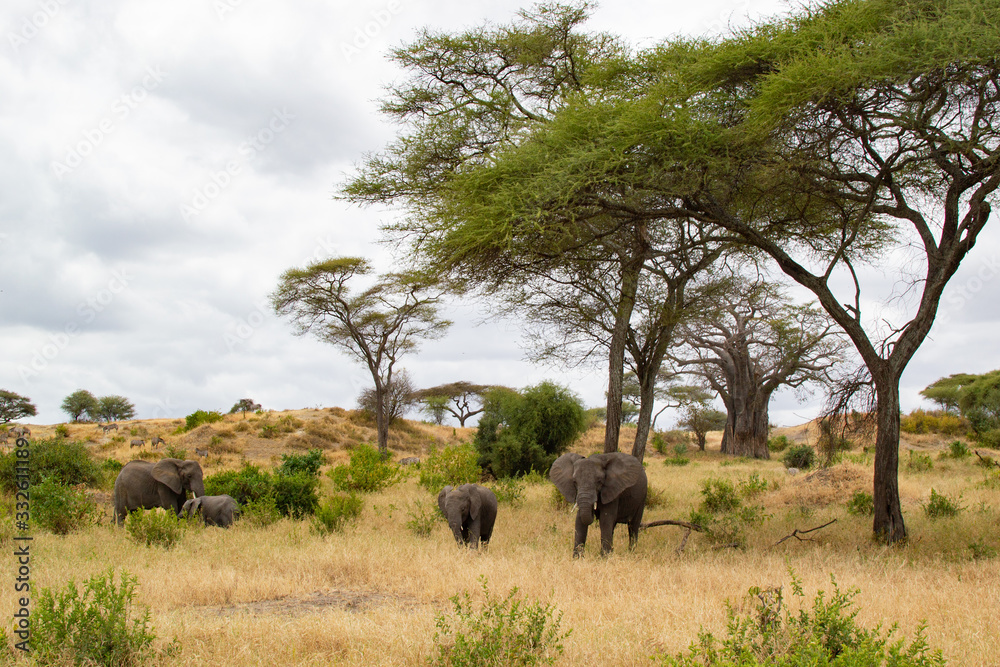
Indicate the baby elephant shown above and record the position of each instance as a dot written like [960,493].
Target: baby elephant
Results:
[471,511]
[215,510]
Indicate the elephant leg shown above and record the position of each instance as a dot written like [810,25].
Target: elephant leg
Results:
[608,518]
[474,530]
[633,533]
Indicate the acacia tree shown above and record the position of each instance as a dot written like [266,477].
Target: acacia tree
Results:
[947,392]
[749,346]
[14,406]
[114,408]
[80,402]
[375,325]
[821,140]
[244,405]
[461,400]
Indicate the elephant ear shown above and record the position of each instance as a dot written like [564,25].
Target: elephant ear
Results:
[475,501]
[620,472]
[165,472]
[561,474]
[194,505]
[442,497]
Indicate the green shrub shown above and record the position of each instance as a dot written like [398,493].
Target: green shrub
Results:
[334,513]
[918,462]
[753,485]
[676,461]
[199,417]
[989,438]
[520,432]
[776,634]
[308,463]
[452,466]
[66,463]
[958,450]
[861,504]
[723,514]
[509,491]
[424,515]
[260,512]
[295,495]
[505,631]
[367,472]
[778,443]
[62,431]
[663,441]
[534,477]
[99,626]
[719,496]
[940,506]
[982,551]
[61,509]
[111,467]
[172,452]
[799,456]
[155,527]
[246,485]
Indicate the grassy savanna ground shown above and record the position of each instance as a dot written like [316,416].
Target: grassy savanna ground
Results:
[284,595]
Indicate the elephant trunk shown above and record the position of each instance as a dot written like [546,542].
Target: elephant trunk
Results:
[455,523]
[198,488]
[584,517]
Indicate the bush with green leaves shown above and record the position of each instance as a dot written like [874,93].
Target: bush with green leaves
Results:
[509,491]
[941,506]
[293,495]
[861,504]
[933,421]
[155,527]
[958,449]
[523,431]
[335,512]
[799,456]
[260,512]
[451,466]
[423,516]
[96,626]
[173,452]
[723,514]
[778,443]
[919,462]
[199,417]
[62,509]
[64,462]
[663,441]
[500,631]
[775,634]
[308,463]
[367,472]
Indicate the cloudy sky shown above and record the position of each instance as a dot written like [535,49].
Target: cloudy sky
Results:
[163,163]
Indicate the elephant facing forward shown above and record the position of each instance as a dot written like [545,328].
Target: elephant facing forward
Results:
[145,485]
[215,510]
[471,511]
[612,485]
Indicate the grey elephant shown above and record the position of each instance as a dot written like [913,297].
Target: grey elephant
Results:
[612,485]
[471,511]
[215,510]
[143,484]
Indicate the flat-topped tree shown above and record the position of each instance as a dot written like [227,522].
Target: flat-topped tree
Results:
[81,402]
[461,399]
[244,405]
[376,324]
[14,406]
[114,408]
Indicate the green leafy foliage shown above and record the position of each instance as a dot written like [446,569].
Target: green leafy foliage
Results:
[509,491]
[941,506]
[62,509]
[62,431]
[958,450]
[367,472]
[664,441]
[336,512]
[292,495]
[919,462]
[295,495]
[722,512]
[451,466]
[524,431]
[260,512]
[308,463]
[778,443]
[799,456]
[501,631]
[66,463]
[199,417]
[861,504]
[423,516]
[114,408]
[80,403]
[933,421]
[773,634]
[98,626]
[14,406]
[155,527]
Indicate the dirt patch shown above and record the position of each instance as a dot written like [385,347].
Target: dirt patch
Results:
[354,601]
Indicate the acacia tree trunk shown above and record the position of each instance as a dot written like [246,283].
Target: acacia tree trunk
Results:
[616,353]
[381,422]
[888,520]
[647,385]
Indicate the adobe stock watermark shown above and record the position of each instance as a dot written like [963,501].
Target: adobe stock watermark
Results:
[30,26]
[87,311]
[363,35]
[243,328]
[255,144]
[223,7]
[121,109]
[960,294]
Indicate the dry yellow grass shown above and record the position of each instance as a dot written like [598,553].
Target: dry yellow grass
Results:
[282,595]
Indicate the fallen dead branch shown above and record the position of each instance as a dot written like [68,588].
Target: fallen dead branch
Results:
[672,522]
[987,461]
[795,533]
